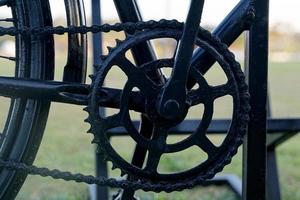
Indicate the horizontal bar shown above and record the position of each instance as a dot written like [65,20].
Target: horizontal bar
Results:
[279,138]
[230,180]
[71,93]
[221,127]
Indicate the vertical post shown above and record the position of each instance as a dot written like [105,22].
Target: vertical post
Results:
[273,185]
[101,165]
[97,37]
[254,154]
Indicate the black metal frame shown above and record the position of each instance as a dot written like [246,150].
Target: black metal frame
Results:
[259,160]
[264,135]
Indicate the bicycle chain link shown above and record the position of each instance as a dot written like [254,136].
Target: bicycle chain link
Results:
[89,179]
[81,178]
[128,27]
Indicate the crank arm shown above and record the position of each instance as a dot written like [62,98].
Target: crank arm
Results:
[70,93]
[173,97]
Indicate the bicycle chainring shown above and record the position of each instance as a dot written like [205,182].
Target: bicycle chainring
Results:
[205,94]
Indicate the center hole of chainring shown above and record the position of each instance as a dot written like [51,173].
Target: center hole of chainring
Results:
[154,116]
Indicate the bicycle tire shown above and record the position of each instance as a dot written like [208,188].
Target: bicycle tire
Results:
[26,119]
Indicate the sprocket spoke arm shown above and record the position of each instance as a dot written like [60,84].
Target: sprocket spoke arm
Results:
[201,94]
[222,90]
[157,148]
[194,98]
[207,146]
[136,76]
[201,139]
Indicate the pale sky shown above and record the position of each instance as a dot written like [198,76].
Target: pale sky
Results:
[286,11]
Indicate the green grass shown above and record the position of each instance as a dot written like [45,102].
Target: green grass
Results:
[67,146]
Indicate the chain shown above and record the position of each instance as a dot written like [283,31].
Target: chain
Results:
[128,27]
[103,181]
[89,179]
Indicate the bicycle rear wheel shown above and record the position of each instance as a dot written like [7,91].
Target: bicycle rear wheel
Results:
[26,118]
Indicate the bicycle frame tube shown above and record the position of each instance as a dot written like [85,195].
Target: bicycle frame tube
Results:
[128,11]
[70,93]
[235,23]
[228,31]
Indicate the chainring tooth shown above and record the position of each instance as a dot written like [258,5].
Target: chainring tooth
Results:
[240,129]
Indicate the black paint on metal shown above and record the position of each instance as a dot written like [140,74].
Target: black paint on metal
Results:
[128,11]
[100,165]
[235,23]
[260,180]
[219,127]
[71,93]
[173,97]
[273,185]
[76,66]
[255,146]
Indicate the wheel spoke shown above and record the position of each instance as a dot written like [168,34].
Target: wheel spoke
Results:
[8,58]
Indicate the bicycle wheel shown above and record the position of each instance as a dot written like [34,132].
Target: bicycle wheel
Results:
[26,118]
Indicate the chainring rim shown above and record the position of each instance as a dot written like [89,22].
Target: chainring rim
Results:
[237,142]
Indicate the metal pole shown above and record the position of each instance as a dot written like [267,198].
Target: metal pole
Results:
[255,151]
[101,165]
[273,185]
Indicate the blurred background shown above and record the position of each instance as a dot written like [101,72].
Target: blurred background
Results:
[67,146]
